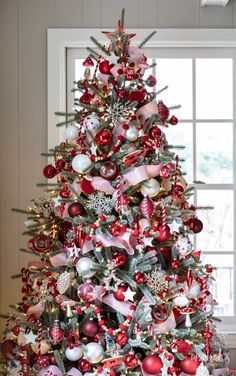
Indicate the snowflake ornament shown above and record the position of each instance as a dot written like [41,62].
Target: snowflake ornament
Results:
[100,203]
[156,281]
[117,113]
[112,282]
[44,207]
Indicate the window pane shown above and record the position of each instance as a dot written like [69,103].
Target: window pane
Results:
[223,288]
[217,233]
[214,145]
[181,134]
[214,88]
[177,74]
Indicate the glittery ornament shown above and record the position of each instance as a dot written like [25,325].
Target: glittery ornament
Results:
[84,365]
[151,81]
[100,203]
[130,361]
[139,277]
[173,120]
[163,111]
[94,352]
[155,280]
[63,282]
[121,339]
[55,333]
[103,137]
[41,243]
[49,171]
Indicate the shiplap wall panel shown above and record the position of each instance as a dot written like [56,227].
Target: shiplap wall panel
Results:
[23,130]
[9,154]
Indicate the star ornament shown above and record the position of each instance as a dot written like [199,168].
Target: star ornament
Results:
[174,227]
[118,37]
[129,295]
[30,337]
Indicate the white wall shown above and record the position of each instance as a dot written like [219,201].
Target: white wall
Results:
[23,94]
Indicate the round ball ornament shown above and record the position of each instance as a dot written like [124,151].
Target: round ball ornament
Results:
[109,170]
[84,266]
[130,360]
[119,260]
[151,81]
[183,246]
[45,347]
[91,123]
[86,292]
[15,330]
[75,209]
[173,120]
[73,354]
[189,365]
[103,137]
[139,277]
[121,339]
[6,348]
[150,187]
[195,225]
[159,314]
[81,163]
[90,328]
[43,361]
[71,132]
[132,134]
[118,295]
[84,365]
[105,67]
[94,352]
[164,233]
[49,171]
[152,364]
[155,133]
[41,243]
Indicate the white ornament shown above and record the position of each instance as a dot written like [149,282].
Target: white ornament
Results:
[100,203]
[194,290]
[74,354]
[83,267]
[71,132]
[184,246]
[94,352]
[129,294]
[45,347]
[30,337]
[91,123]
[132,134]
[63,282]
[174,227]
[150,187]
[202,370]
[181,300]
[81,163]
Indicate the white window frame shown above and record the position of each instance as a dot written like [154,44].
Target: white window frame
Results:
[59,40]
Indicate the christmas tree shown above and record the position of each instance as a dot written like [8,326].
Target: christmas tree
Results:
[119,288]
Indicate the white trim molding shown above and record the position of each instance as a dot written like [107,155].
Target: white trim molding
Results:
[222,3]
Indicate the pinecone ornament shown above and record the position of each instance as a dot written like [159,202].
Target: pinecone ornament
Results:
[63,282]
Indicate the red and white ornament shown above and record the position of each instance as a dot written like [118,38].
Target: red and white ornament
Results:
[146,207]
[91,123]
[86,292]
[55,333]
[184,246]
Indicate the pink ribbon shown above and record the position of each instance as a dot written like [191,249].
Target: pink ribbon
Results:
[50,371]
[148,110]
[141,173]
[37,309]
[58,260]
[122,307]
[136,54]
[73,372]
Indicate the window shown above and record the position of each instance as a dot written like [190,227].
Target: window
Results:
[201,80]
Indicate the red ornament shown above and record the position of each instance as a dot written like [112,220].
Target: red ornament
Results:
[118,295]
[90,328]
[174,264]
[52,360]
[32,318]
[189,365]
[182,347]
[136,96]
[49,171]
[41,243]
[151,81]
[65,192]
[7,347]
[160,314]
[130,360]
[155,133]
[152,364]
[43,361]
[119,260]
[75,209]
[55,333]
[86,98]
[121,339]
[84,365]
[163,111]
[165,172]
[103,137]
[139,277]
[60,164]
[121,93]
[173,120]
[105,67]
[146,207]
[16,330]
[88,62]
[166,252]
[30,244]
[195,225]
[109,171]
[86,186]
[130,74]
[164,233]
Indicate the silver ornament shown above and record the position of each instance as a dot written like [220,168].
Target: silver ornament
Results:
[150,187]
[94,353]
[74,354]
[63,282]
[81,163]
[132,134]
[71,132]
[83,267]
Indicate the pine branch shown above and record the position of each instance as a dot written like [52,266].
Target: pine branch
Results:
[99,45]
[123,17]
[60,362]
[147,39]
[163,89]
[93,53]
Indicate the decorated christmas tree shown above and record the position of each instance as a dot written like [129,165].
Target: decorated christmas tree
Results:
[118,288]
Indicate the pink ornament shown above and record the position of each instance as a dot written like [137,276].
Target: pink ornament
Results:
[146,207]
[86,292]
